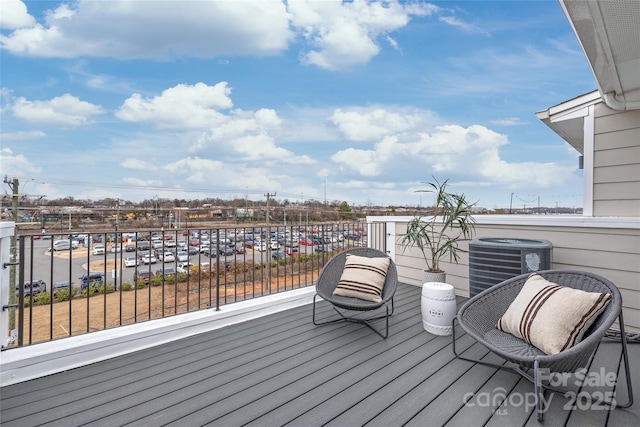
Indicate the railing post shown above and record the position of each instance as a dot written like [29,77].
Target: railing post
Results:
[7,230]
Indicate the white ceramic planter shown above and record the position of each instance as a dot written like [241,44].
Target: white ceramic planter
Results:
[438,307]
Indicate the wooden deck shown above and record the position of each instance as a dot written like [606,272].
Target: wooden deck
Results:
[282,370]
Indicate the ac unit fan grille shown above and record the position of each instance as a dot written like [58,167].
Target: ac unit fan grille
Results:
[490,264]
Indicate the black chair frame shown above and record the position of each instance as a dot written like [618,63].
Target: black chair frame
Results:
[347,307]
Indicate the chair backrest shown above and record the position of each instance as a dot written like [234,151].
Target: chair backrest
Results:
[330,274]
[589,282]
[479,315]
[484,309]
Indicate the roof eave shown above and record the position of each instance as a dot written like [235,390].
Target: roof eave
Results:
[566,119]
[610,39]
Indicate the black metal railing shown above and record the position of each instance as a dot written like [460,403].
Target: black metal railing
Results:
[74,283]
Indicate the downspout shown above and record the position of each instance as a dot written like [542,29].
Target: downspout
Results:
[612,102]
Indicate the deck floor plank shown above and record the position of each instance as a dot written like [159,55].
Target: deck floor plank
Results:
[448,402]
[356,383]
[281,369]
[265,396]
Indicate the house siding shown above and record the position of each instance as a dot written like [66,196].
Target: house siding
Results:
[616,162]
[604,248]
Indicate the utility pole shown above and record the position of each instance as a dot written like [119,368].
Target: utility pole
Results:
[511,204]
[269,196]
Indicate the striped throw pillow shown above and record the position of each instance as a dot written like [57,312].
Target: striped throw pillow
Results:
[552,317]
[363,278]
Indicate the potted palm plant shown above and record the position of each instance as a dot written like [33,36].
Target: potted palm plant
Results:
[439,234]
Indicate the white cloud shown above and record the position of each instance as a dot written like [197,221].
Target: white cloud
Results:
[465,26]
[161,30]
[448,150]
[196,170]
[510,121]
[21,135]
[136,164]
[248,136]
[61,111]
[345,34]
[141,182]
[341,34]
[12,165]
[372,124]
[13,14]
[221,176]
[180,107]
[244,139]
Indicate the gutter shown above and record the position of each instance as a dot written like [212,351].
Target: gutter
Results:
[612,102]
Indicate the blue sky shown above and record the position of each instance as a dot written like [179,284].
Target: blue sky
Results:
[356,101]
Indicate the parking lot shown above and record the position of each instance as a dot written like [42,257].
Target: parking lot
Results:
[121,259]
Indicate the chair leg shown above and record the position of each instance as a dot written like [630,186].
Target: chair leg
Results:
[366,322]
[538,390]
[612,404]
[315,322]
[469,359]
[627,371]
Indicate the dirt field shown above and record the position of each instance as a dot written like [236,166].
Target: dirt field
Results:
[104,311]
[125,307]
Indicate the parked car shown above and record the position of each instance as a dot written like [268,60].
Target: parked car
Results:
[226,250]
[183,267]
[116,248]
[260,247]
[182,256]
[294,243]
[98,249]
[306,242]
[239,249]
[33,288]
[90,279]
[170,244]
[64,245]
[61,286]
[131,261]
[149,258]
[144,246]
[209,252]
[278,255]
[167,271]
[168,257]
[193,250]
[142,275]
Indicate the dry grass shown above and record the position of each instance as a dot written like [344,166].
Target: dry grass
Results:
[104,311]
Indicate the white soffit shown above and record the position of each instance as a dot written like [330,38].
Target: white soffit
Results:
[566,119]
[609,33]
